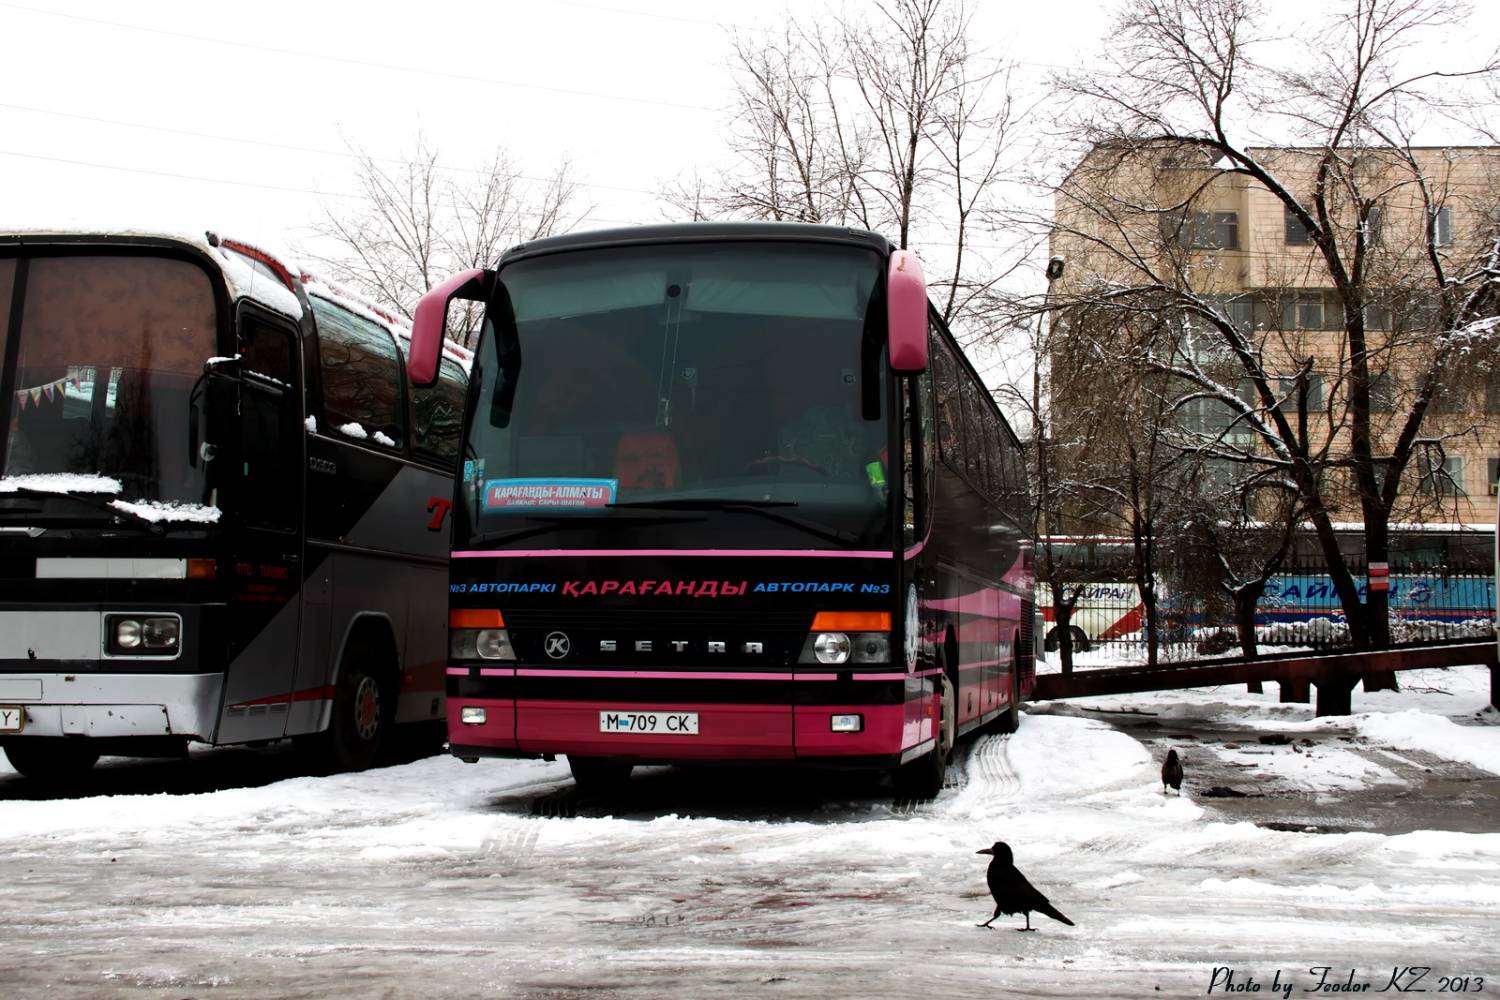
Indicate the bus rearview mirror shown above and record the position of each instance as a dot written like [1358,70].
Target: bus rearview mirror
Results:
[429,322]
[906,313]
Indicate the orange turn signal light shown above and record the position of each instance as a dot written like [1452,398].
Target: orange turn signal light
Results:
[201,569]
[475,618]
[852,621]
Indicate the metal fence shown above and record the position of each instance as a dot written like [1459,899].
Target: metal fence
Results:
[1435,594]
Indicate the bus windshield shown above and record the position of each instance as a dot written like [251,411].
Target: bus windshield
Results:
[704,395]
[106,354]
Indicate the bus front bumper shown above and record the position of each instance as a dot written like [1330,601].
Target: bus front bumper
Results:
[532,728]
[113,705]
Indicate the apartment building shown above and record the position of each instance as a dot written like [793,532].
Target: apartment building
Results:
[1166,220]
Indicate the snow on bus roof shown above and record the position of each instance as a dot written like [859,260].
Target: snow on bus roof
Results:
[242,276]
[250,270]
[341,295]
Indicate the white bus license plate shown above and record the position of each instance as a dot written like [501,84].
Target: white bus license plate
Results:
[13,717]
[650,723]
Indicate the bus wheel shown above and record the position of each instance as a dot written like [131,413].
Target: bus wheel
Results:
[1010,719]
[363,710]
[51,758]
[923,777]
[599,775]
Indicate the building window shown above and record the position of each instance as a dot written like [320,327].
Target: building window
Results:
[1289,392]
[1447,398]
[1202,230]
[1302,311]
[1442,227]
[1382,393]
[1296,233]
[1494,475]
[1442,476]
[1377,313]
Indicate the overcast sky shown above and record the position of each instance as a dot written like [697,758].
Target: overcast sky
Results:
[99,99]
[201,115]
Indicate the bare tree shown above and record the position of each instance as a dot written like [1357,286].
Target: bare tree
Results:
[890,122]
[1182,118]
[422,221]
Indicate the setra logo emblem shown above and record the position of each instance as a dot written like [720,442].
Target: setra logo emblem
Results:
[556,644]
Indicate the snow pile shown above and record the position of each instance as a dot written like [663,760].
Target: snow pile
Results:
[381,438]
[169,510]
[59,482]
[1417,630]
[354,430]
[311,423]
[1313,631]
[1478,746]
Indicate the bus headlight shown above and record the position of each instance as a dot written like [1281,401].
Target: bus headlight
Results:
[160,633]
[831,647]
[834,648]
[480,644]
[142,635]
[127,633]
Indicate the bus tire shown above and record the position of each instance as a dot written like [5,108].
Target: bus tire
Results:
[599,775]
[364,711]
[51,758]
[1010,719]
[923,778]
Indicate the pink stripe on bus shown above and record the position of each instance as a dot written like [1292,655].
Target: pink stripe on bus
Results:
[695,675]
[496,672]
[880,677]
[597,553]
[458,671]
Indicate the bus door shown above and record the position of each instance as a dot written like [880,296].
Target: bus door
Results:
[265,545]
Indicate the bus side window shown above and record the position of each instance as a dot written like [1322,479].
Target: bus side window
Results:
[996,444]
[270,427]
[949,417]
[265,350]
[975,440]
[916,397]
[361,377]
[437,415]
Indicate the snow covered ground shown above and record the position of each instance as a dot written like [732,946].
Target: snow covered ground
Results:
[438,878]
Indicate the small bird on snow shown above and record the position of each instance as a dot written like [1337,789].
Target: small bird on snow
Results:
[1171,772]
[1013,894]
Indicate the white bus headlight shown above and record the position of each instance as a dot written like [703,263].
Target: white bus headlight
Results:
[472,715]
[831,647]
[127,633]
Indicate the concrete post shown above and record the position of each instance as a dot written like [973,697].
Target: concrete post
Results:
[1335,695]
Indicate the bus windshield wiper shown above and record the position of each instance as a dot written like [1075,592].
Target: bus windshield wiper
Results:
[88,500]
[756,507]
[565,522]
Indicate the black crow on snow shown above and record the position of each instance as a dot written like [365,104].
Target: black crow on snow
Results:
[1171,772]
[1013,894]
